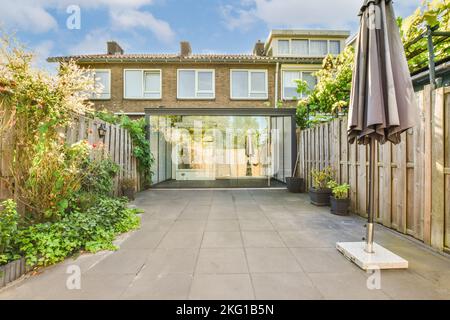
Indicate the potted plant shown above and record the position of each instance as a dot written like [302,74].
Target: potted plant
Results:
[339,199]
[320,193]
[128,187]
[295,184]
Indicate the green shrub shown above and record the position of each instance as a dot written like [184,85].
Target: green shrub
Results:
[340,191]
[91,230]
[100,178]
[9,219]
[321,178]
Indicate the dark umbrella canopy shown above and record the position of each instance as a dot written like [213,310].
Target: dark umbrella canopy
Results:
[382,102]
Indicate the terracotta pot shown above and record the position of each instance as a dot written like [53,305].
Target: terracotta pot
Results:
[320,197]
[339,206]
[295,184]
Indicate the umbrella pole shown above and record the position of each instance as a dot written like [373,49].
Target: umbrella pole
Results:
[371,213]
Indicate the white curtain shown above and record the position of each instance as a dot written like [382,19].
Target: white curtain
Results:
[300,47]
[186,84]
[318,47]
[239,80]
[133,84]
[335,47]
[283,46]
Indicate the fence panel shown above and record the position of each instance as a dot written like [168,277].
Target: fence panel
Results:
[117,143]
[412,179]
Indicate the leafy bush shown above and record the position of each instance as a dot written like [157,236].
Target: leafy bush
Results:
[100,178]
[91,230]
[321,178]
[141,145]
[9,219]
[339,191]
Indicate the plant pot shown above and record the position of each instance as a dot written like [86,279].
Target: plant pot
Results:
[320,197]
[129,193]
[339,206]
[295,184]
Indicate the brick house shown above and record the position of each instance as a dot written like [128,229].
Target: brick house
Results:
[179,91]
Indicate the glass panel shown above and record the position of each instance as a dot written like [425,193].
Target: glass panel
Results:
[289,84]
[133,84]
[186,84]
[258,81]
[101,79]
[335,47]
[205,81]
[300,47]
[283,46]
[310,80]
[318,47]
[152,81]
[287,151]
[239,84]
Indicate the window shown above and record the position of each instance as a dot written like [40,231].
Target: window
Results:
[102,83]
[283,47]
[196,84]
[290,84]
[318,47]
[300,47]
[142,84]
[335,47]
[249,84]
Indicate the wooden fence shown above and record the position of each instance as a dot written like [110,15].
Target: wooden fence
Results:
[117,142]
[412,179]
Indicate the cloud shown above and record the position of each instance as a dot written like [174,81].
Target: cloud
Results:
[34,15]
[41,52]
[27,15]
[130,19]
[301,13]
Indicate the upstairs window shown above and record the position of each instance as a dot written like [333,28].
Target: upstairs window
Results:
[102,84]
[300,47]
[290,84]
[196,84]
[142,84]
[283,47]
[335,47]
[318,47]
[249,84]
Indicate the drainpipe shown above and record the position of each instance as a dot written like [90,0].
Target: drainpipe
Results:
[276,84]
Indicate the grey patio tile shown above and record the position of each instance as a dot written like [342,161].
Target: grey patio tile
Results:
[222,215]
[160,287]
[301,239]
[256,225]
[349,285]
[214,239]
[222,225]
[142,239]
[222,260]
[156,225]
[325,260]
[245,215]
[271,260]
[175,260]
[181,240]
[221,286]
[287,224]
[405,285]
[262,239]
[123,261]
[284,286]
[94,286]
[193,215]
[188,226]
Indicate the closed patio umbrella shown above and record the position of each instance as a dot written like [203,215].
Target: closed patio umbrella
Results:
[382,102]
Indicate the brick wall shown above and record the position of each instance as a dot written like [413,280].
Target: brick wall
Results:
[169,87]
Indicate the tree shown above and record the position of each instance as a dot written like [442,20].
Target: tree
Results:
[434,13]
[331,95]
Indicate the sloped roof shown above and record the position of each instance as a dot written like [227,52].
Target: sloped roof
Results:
[204,58]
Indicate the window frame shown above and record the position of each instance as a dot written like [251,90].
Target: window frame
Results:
[294,70]
[249,82]
[290,54]
[142,97]
[92,96]
[196,90]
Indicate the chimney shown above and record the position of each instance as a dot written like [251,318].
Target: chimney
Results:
[114,48]
[259,48]
[185,48]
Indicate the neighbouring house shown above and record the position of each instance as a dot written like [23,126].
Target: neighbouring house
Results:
[214,119]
